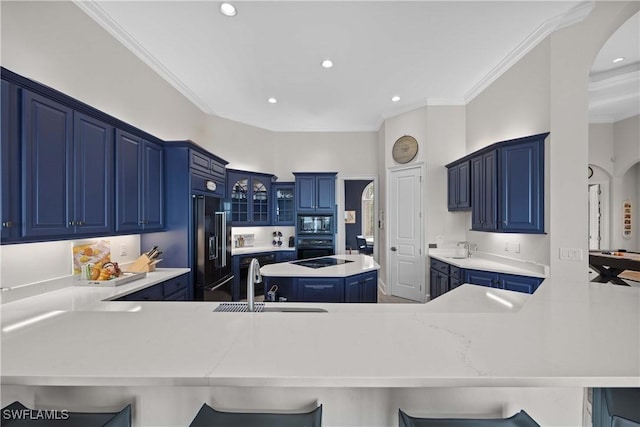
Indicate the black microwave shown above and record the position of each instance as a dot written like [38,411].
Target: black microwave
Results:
[315,224]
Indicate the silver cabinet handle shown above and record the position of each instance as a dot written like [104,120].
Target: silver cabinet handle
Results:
[7,224]
[394,249]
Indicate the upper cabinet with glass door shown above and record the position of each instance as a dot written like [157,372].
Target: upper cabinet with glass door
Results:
[284,203]
[250,195]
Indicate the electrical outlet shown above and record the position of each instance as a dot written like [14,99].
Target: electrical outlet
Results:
[123,249]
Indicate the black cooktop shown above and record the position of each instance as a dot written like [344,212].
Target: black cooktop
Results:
[321,262]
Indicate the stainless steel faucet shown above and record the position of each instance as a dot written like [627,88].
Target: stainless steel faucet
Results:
[253,277]
[468,247]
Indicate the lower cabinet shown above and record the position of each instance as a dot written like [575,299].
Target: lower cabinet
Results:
[284,256]
[510,282]
[323,289]
[444,277]
[360,288]
[176,289]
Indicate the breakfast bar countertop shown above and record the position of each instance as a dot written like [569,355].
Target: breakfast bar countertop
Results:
[567,334]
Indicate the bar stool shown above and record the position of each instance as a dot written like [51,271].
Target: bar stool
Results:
[521,419]
[18,415]
[616,407]
[209,417]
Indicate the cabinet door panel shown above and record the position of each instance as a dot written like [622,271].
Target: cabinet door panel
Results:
[93,166]
[524,284]
[490,188]
[464,193]
[452,188]
[128,164]
[369,287]
[153,187]
[305,192]
[326,193]
[47,143]
[477,193]
[10,156]
[522,181]
[482,278]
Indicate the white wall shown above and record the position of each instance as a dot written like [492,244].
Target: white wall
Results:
[601,149]
[57,44]
[515,105]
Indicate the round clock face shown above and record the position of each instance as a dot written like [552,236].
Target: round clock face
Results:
[405,149]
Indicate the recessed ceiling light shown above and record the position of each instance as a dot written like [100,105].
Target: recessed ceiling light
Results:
[395,98]
[327,63]
[272,100]
[228,9]
[618,59]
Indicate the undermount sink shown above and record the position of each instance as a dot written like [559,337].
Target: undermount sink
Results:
[259,307]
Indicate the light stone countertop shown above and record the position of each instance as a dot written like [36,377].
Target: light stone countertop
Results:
[356,264]
[567,334]
[486,262]
[259,249]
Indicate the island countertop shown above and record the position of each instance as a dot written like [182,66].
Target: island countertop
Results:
[567,334]
[355,264]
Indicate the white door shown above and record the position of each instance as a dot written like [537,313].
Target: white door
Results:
[406,265]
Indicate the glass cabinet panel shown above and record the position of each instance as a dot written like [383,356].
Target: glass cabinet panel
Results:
[260,201]
[239,203]
[285,205]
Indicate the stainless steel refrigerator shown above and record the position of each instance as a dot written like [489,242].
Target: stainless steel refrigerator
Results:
[214,277]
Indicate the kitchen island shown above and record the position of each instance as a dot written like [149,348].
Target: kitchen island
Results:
[361,361]
[337,278]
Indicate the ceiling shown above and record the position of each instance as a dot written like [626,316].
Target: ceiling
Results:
[425,52]
[614,88]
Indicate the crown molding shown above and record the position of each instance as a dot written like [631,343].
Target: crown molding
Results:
[573,16]
[93,10]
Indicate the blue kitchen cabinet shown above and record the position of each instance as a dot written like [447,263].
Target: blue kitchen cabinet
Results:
[284,207]
[361,288]
[521,193]
[443,277]
[285,256]
[93,150]
[139,184]
[510,282]
[315,192]
[482,278]
[250,195]
[458,186]
[10,162]
[287,287]
[175,289]
[525,284]
[47,147]
[325,289]
[68,173]
[484,191]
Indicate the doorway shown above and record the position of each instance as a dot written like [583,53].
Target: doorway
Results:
[359,215]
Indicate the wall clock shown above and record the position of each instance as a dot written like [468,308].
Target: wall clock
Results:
[405,149]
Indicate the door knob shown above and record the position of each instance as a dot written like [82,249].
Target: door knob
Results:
[393,248]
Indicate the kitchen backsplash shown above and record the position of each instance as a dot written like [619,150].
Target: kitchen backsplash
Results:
[262,236]
[28,263]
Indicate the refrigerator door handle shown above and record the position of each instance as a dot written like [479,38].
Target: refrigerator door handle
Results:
[217,285]
[222,235]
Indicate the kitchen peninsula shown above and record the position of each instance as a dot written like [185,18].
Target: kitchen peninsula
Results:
[537,352]
[338,278]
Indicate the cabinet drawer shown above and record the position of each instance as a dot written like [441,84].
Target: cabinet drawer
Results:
[455,272]
[442,267]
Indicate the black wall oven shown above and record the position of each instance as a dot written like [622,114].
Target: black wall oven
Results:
[313,247]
